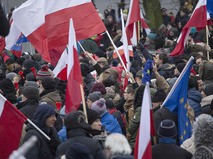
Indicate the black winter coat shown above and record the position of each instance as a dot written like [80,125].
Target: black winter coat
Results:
[81,136]
[43,149]
[169,151]
[30,108]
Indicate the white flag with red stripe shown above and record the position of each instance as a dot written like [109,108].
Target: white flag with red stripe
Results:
[86,20]
[199,19]
[11,123]
[74,77]
[143,141]
[60,69]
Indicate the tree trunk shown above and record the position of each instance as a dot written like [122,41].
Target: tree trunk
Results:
[153,13]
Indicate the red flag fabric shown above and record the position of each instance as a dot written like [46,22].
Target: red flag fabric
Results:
[74,77]
[143,140]
[133,16]
[2,44]
[47,27]
[60,70]
[11,123]
[199,15]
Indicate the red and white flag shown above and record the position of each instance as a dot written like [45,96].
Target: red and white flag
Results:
[125,44]
[11,123]
[86,21]
[143,148]
[60,69]
[74,77]
[13,36]
[199,19]
[135,15]
[29,18]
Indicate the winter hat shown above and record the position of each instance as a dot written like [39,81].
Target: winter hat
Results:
[167,129]
[203,130]
[98,87]
[99,106]
[31,83]
[11,75]
[92,116]
[94,96]
[42,113]
[180,67]
[30,77]
[48,83]
[110,104]
[20,61]
[110,92]
[31,92]
[43,73]
[159,96]
[7,86]
[28,64]
[84,69]
[76,120]
[208,90]
[78,150]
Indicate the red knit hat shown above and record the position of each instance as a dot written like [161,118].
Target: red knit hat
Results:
[43,72]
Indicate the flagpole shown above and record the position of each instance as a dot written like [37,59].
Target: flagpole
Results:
[81,47]
[37,128]
[83,101]
[119,56]
[207,41]
[177,81]
[116,50]
[138,30]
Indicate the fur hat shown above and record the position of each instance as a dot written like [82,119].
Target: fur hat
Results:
[48,83]
[43,73]
[99,106]
[76,120]
[98,87]
[94,96]
[203,130]
[92,116]
[31,92]
[167,129]
[110,92]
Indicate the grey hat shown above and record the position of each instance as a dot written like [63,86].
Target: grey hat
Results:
[11,75]
[167,129]
[31,92]
[94,96]
[31,83]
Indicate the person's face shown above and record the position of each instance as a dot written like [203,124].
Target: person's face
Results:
[50,121]
[200,85]
[96,125]
[10,67]
[89,103]
[176,72]
[126,94]
[157,60]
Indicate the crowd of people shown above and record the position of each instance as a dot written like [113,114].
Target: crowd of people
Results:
[113,102]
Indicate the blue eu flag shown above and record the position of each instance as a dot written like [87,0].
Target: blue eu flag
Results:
[147,71]
[209,7]
[176,102]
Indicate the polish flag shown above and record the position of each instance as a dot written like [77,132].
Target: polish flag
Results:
[29,19]
[60,69]
[86,20]
[198,19]
[2,44]
[11,123]
[74,77]
[13,36]
[143,148]
[134,16]
[125,44]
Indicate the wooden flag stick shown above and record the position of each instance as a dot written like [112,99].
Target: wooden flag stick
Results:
[81,47]
[83,101]
[138,30]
